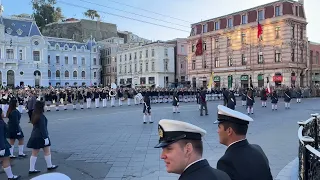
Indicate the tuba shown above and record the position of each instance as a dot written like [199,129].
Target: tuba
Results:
[113,91]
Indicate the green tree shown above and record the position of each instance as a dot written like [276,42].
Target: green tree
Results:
[44,12]
[92,14]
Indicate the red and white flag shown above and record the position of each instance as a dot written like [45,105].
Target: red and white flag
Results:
[260,30]
[268,86]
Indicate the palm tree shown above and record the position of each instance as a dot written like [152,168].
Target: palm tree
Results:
[92,14]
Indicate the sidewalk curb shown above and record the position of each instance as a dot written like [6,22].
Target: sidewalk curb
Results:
[290,171]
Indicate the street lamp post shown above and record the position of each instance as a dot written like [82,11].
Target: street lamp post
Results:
[90,60]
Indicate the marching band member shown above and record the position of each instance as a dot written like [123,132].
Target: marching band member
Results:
[250,101]
[48,100]
[299,95]
[104,98]
[287,98]
[20,102]
[5,103]
[5,149]
[56,99]
[39,139]
[81,98]
[231,100]
[274,100]
[74,99]
[88,98]
[129,97]
[112,95]
[14,129]
[175,103]
[136,102]
[96,95]
[244,97]
[120,96]
[263,97]
[203,102]
[147,109]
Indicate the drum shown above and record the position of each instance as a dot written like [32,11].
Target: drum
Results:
[139,96]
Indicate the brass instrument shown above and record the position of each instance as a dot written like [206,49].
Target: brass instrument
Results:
[113,89]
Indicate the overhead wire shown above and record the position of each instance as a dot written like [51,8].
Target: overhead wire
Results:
[89,2]
[149,11]
[125,17]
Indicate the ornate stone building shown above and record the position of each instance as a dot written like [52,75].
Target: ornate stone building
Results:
[233,51]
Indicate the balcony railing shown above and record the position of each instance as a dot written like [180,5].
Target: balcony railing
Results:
[309,156]
[2,60]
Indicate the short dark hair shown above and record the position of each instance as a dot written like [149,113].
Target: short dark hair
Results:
[197,145]
[239,129]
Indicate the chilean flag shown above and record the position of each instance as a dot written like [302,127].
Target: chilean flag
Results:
[199,49]
[260,30]
[268,86]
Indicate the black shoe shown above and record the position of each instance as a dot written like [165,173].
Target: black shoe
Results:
[14,177]
[207,114]
[174,112]
[144,122]
[151,122]
[201,114]
[23,155]
[178,112]
[53,167]
[13,157]
[34,172]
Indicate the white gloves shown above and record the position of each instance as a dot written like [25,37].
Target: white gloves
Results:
[2,152]
[19,133]
[46,141]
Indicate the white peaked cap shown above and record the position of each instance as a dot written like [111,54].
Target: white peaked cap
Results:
[52,176]
[171,131]
[227,114]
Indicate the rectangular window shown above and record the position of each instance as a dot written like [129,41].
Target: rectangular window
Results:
[217,25]
[94,61]
[83,61]
[9,53]
[260,59]
[130,68]
[130,58]
[301,32]
[243,59]
[166,52]
[120,58]
[228,41]
[317,57]
[301,56]
[147,53]
[120,69]
[152,52]
[216,62]
[147,66]
[20,54]
[152,66]
[193,64]
[135,55]
[277,57]
[204,45]
[230,63]
[205,64]
[182,48]
[57,59]
[277,11]
[243,38]
[75,60]
[277,32]
[48,59]
[193,48]
[244,19]
[140,68]
[311,57]
[36,55]
[230,23]
[292,31]
[261,15]
[125,69]
[140,55]
[135,67]
[292,55]
[166,65]
[66,60]
[205,28]
[216,44]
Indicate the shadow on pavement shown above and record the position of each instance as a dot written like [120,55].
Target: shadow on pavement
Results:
[76,170]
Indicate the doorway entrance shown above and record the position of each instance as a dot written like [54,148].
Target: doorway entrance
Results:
[10,78]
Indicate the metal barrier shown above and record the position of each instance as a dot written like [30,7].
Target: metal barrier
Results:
[309,156]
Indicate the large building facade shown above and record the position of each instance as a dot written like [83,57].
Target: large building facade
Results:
[234,53]
[181,59]
[23,53]
[314,63]
[72,63]
[146,65]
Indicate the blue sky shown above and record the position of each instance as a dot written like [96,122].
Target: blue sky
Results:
[188,10]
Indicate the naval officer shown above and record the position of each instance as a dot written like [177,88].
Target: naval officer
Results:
[182,150]
[242,160]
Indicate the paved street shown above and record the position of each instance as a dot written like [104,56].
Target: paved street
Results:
[113,144]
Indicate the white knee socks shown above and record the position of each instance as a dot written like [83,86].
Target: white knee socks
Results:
[33,161]
[21,149]
[8,172]
[48,161]
[11,150]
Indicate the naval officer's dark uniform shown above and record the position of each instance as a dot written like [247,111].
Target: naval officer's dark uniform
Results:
[201,170]
[171,131]
[242,161]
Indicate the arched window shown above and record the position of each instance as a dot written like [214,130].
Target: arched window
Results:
[75,74]
[95,74]
[66,47]
[83,74]
[75,48]
[75,83]
[57,73]
[49,74]
[66,74]
[57,47]
[66,84]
